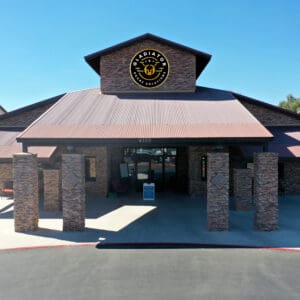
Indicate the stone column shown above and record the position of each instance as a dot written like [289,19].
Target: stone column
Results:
[266,191]
[242,188]
[52,187]
[218,191]
[73,192]
[26,204]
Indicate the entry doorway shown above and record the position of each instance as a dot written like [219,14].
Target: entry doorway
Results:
[157,165]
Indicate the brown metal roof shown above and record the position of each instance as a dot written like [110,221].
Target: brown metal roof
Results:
[286,143]
[9,146]
[202,58]
[88,114]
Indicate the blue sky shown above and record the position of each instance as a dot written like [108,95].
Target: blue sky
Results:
[255,44]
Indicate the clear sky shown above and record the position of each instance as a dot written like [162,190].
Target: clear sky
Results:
[255,44]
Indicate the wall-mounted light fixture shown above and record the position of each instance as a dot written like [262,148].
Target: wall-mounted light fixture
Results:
[203,167]
[70,148]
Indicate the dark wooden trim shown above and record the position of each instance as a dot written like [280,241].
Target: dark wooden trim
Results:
[12,128]
[141,143]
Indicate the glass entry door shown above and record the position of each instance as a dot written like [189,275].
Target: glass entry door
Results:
[157,165]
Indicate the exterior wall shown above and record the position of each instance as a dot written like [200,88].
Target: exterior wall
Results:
[101,185]
[115,158]
[269,117]
[115,73]
[5,173]
[52,190]
[196,186]
[266,191]
[182,169]
[218,191]
[292,177]
[23,118]
[243,189]
[26,202]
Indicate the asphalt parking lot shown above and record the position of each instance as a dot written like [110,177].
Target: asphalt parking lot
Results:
[86,272]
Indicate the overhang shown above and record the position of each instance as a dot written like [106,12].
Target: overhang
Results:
[9,146]
[286,143]
[207,114]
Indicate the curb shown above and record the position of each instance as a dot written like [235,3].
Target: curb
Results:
[49,246]
[153,246]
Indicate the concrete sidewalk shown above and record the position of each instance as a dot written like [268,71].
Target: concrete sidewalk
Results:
[169,219]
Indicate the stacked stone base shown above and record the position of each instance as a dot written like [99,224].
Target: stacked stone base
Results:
[218,191]
[26,203]
[73,192]
[266,191]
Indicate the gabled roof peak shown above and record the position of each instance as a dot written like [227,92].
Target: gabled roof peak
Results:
[202,58]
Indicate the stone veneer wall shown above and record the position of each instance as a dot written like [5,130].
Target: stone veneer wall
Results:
[73,192]
[242,183]
[292,177]
[5,173]
[197,186]
[218,191]
[52,190]
[26,202]
[266,191]
[115,72]
[101,185]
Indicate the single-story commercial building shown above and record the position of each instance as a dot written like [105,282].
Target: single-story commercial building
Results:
[149,122]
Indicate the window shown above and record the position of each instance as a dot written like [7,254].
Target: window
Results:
[90,168]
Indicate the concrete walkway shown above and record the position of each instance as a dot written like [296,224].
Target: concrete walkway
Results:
[169,219]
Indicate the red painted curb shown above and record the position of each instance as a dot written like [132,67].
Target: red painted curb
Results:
[283,249]
[181,245]
[49,246]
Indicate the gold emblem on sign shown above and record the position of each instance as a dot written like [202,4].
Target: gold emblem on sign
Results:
[149,68]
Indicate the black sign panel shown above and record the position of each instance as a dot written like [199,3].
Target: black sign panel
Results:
[149,68]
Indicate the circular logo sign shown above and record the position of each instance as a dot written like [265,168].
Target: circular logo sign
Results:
[149,68]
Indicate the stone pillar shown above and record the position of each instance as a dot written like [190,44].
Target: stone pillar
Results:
[266,191]
[218,191]
[26,204]
[52,187]
[73,192]
[242,188]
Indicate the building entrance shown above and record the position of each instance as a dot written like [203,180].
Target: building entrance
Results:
[145,165]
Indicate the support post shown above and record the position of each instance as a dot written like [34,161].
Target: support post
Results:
[218,191]
[73,192]
[26,204]
[266,191]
